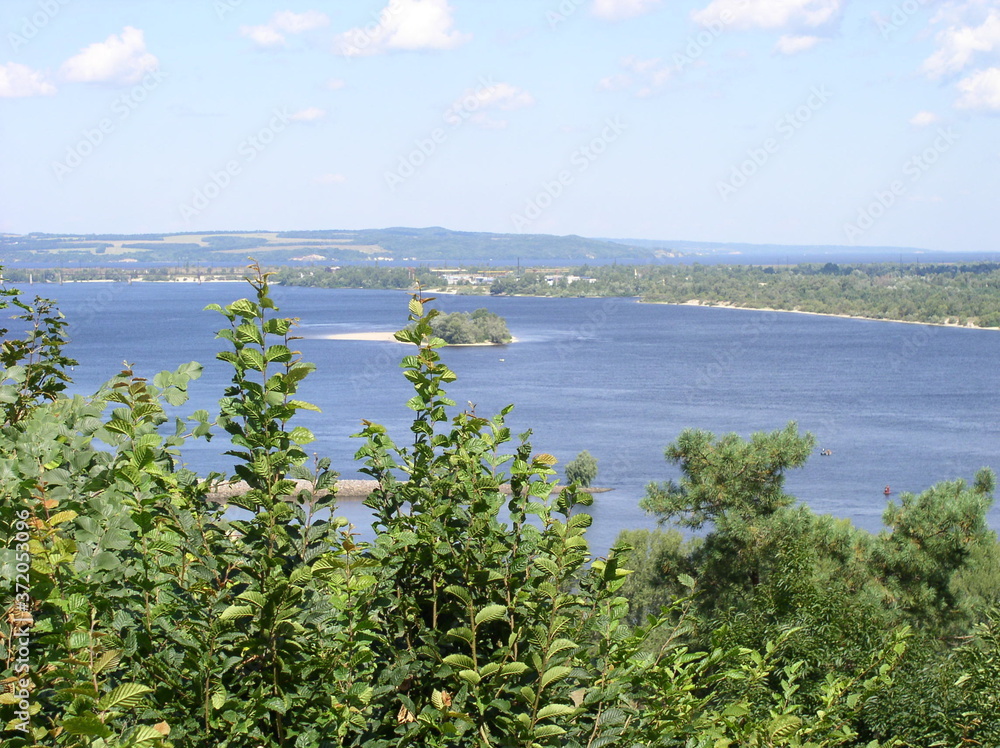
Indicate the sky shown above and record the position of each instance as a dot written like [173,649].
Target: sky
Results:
[800,122]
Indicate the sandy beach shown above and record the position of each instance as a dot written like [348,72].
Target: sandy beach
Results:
[355,490]
[730,305]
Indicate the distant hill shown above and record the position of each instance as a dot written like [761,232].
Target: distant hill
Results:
[391,244]
[433,244]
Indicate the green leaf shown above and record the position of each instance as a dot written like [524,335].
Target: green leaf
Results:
[126,696]
[548,731]
[60,517]
[106,560]
[555,673]
[253,597]
[470,676]
[555,710]
[244,308]
[491,613]
[513,668]
[144,735]
[784,726]
[301,435]
[301,574]
[462,632]
[86,724]
[280,353]
[559,645]
[547,565]
[218,699]
[248,332]
[459,660]
[236,611]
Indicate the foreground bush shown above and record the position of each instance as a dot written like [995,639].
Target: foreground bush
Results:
[140,614]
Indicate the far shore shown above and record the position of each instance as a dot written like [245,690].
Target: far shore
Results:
[390,337]
[730,305]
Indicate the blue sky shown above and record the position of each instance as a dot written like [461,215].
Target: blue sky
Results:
[770,121]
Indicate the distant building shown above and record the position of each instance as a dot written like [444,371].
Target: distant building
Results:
[458,279]
[553,279]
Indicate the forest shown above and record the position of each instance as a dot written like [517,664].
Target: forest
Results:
[141,611]
[936,293]
[960,294]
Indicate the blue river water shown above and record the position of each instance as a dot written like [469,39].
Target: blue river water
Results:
[896,404]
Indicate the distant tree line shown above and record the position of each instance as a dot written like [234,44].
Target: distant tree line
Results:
[936,293]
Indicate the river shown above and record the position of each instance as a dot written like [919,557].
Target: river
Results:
[896,404]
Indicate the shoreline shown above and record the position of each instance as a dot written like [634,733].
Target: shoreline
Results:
[388,336]
[730,305]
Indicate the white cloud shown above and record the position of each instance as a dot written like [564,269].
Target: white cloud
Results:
[923,119]
[263,36]
[790,45]
[615,10]
[646,76]
[403,25]
[958,44]
[981,90]
[769,14]
[272,33]
[330,179]
[118,59]
[485,121]
[311,114]
[18,81]
[297,23]
[335,84]
[616,82]
[474,104]
[505,96]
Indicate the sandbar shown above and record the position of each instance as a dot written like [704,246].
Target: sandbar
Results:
[386,337]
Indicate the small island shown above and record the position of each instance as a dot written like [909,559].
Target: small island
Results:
[481,327]
[478,328]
